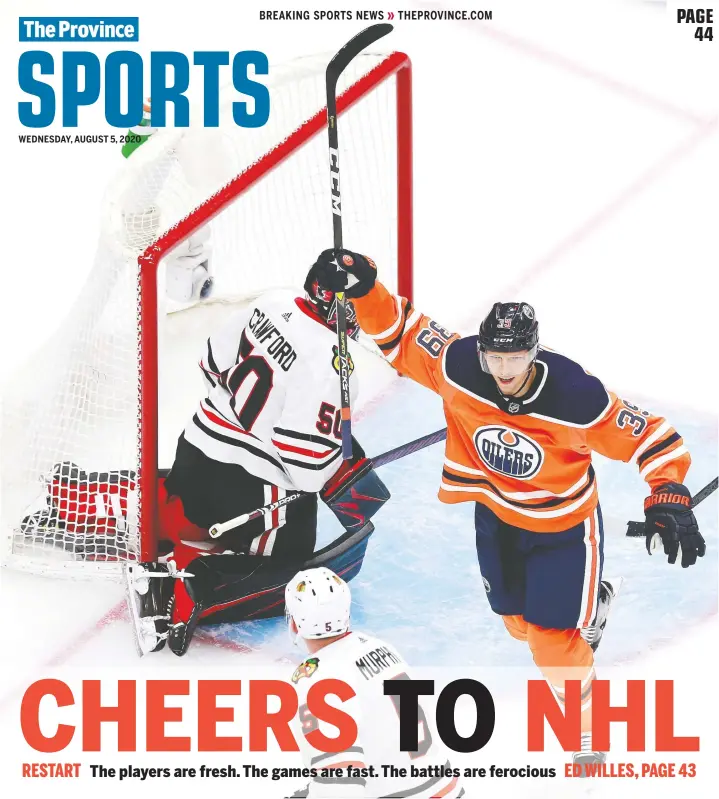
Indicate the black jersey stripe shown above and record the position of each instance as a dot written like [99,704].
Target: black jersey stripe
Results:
[213,372]
[390,345]
[211,358]
[235,443]
[325,442]
[213,406]
[313,467]
[245,348]
[207,401]
[662,445]
[528,504]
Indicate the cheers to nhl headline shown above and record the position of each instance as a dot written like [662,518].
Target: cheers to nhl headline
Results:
[82,711]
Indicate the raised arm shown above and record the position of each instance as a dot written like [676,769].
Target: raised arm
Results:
[410,341]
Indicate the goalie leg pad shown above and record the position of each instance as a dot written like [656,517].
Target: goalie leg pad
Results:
[345,555]
[355,493]
[231,588]
[226,588]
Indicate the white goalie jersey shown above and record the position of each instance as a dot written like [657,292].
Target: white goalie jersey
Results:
[365,663]
[274,395]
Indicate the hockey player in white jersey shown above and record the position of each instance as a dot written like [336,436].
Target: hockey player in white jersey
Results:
[272,411]
[317,608]
[268,427]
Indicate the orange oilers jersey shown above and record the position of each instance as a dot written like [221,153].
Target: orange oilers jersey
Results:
[529,460]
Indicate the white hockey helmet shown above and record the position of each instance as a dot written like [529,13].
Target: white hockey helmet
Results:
[319,603]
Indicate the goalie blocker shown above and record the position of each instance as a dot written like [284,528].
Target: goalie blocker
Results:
[355,493]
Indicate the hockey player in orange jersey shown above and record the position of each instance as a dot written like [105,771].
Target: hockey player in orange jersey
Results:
[522,423]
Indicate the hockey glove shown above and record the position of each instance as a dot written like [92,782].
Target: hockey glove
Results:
[188,269]
[355,493]
[356,277]
[670,519]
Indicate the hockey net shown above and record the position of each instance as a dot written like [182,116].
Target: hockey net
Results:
[120,378]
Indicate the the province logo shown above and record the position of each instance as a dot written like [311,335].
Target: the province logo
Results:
[508,452]
[306,669]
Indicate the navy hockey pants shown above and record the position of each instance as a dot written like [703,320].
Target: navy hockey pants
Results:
[552,579]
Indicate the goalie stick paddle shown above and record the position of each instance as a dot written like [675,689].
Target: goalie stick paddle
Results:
[380,460]
[334,69]
[636,529]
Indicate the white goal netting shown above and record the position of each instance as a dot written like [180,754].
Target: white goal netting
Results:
[73,451]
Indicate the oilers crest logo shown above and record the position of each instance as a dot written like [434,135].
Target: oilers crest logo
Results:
[509,452]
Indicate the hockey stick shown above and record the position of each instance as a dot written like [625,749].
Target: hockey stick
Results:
[636,529]
[334,69]
[381,460]
[410,447]
[218,529]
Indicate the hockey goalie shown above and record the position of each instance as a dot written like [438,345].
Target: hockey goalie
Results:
[265,436]
[266,433]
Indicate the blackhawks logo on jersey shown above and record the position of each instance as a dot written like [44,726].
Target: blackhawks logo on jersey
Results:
[336,360]
[305,669]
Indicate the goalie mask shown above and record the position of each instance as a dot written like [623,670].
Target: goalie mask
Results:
[324,304]
[318,601]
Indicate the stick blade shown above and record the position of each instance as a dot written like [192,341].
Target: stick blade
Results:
[354,47]
[635,529]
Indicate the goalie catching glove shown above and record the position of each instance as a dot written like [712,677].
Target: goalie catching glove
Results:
[356,276]
[188,268]
[671,522]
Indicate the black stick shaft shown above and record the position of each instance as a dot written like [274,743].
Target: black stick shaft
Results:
[334,69]
[410,447]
